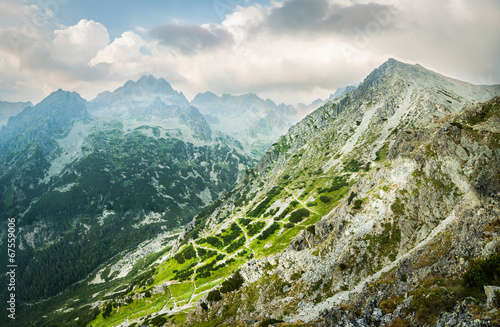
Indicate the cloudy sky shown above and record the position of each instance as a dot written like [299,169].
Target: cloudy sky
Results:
[288,50]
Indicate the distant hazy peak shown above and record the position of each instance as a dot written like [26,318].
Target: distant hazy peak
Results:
[61,95]
[205,97]
[26,104]
[143,90]
[153,81]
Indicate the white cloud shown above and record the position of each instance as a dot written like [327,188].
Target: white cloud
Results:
[284,51]
[123,49]
[79,43]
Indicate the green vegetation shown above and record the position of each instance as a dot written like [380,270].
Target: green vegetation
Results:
[269,231]
[236,245]
[214,296]
[115,176]
[255,228]
[438,295]
[244,221]
[351,197]
[387,242]
[352,165]
[398,207]
[184,274]
[484,272]
[205,254]
[292,206]
[298,215]
[268,322]
[223,239]
[182,291]
[233,283]
[264,204]
[325,199]
[381,154]
[337,183]
[357,204]
[486,111]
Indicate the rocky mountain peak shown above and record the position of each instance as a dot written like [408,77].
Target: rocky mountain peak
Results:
[141,92]
[61,95]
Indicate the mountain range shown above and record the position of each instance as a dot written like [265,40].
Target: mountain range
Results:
[379,208]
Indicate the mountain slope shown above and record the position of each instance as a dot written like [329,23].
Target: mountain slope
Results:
[84,188]
[255,122]
[369,211]
[381,193]
[391,142]
[9,109]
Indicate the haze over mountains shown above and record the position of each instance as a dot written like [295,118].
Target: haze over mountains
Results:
[9,109]
[87,180]
[336,219]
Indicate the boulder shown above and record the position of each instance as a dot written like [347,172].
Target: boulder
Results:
[490,295]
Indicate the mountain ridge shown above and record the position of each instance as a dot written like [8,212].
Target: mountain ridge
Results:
[369,211]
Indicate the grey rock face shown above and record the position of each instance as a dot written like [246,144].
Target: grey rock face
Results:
[491,295]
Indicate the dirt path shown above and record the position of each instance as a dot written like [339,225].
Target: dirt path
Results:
[302,203]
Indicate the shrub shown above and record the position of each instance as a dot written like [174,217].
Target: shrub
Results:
[357,204]
[325,199]
[269,231]
[287,210]
[311,229]
[337,183]
[381,154]
[255,228]
[298,215]
[483,272]
[264,204]
[214,296]
[107,310]
[268,322]
[427,303]
[214,241]
[236,245]
[158,321]
[497,299]
[185,273]
[179,258]
[289,225]
[352,166]
[245,221]
[351,197]
[232,283]
[228,238]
